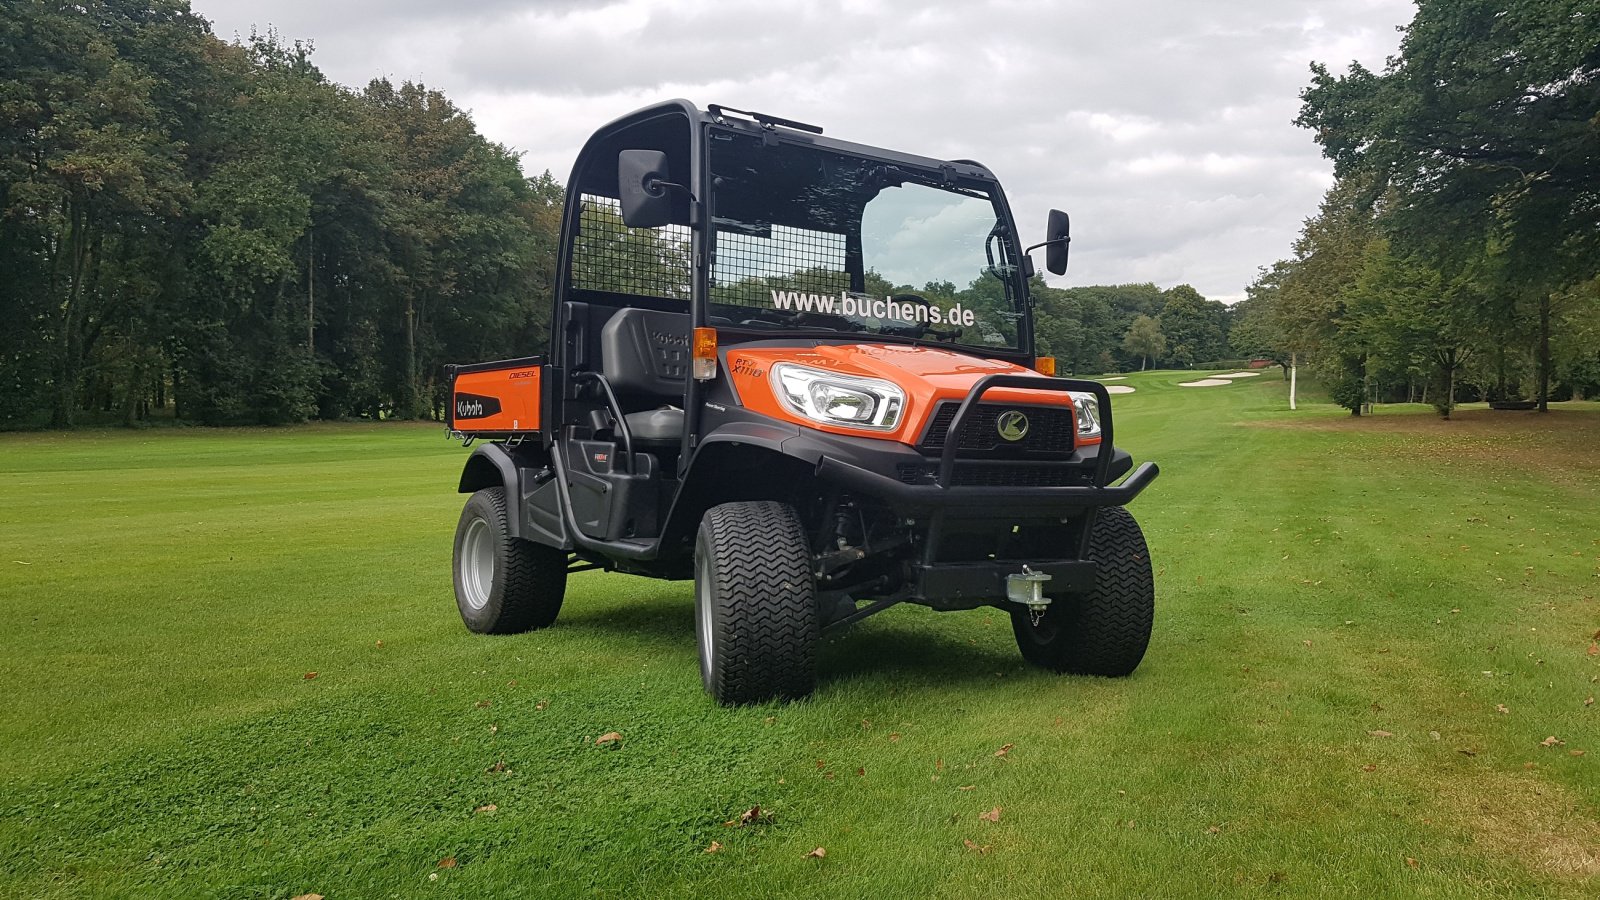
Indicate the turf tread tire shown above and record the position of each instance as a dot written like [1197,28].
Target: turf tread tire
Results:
[1107,630]
[753,579]
[530,579]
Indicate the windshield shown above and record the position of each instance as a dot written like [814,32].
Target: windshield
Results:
[816,240]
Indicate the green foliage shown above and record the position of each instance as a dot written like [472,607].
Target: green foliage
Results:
[1144,338]
[215,232]
[1481,138]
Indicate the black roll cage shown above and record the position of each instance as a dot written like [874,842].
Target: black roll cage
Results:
[769,129]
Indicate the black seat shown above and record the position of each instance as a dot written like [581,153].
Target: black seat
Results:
[645,354]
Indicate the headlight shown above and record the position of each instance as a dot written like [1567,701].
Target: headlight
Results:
[1088,409]
[838,399]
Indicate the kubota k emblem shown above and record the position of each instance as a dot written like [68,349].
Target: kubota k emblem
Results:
[1012,425]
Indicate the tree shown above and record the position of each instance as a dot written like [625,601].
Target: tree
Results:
[1144,339]
[1483,129]
[1193,326]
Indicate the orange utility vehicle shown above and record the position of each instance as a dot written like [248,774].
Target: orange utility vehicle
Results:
[745,388]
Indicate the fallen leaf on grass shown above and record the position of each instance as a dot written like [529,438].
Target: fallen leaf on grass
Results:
[752,816]
[310,675]
[1380,733]
[1588,701]
[486,808]
[1005,751]
[309,897]
[1412,862]
[894,737]
[982,850]
[992,815]
[966,787]
[1307,643]
[714,847]
[1501,708]
[511,683]
[499,766]
[1594,649]
[611,738]
[1467,751]
[861,771]
[1369,767]
[542,705]
[817,854]
[449,862]
[1551,741]
[1214,829]
[1575,752]
[379,645]
[482,704]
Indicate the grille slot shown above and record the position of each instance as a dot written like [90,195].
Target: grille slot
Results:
[1051,430]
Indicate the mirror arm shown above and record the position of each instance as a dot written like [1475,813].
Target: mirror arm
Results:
[1059,240]
[656,184]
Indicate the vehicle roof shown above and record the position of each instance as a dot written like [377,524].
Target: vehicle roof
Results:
[962,167]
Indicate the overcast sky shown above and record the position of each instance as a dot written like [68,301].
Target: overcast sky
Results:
[1162,126]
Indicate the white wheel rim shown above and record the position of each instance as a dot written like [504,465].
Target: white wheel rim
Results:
[477,564]
[702,610]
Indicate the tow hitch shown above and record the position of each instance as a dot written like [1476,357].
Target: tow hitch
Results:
[1027,588]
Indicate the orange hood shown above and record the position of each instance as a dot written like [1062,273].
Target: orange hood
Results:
[928,375]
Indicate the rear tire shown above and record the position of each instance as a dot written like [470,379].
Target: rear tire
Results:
[1104,632]
[504,585]
[755,604]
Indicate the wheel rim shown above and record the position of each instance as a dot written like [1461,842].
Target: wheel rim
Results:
[702,612]
[477,564]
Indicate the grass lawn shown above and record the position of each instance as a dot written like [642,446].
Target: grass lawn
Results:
[1366,632]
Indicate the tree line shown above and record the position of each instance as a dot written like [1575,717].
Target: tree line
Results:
[216,230]
[1457,255]
[213,232]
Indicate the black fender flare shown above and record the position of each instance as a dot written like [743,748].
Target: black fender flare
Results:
[490,466]
[689,504]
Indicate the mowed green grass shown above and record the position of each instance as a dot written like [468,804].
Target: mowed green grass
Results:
[1365,630]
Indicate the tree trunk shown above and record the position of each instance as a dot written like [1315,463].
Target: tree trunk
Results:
[1294,369]
[1544,352]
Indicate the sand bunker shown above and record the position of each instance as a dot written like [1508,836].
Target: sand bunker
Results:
[1114,378]
[1238,375]
[1204,382]
[1119,389]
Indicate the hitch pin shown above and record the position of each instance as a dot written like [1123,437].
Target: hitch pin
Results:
[1027,588]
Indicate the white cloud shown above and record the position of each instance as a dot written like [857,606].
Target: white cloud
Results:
[1164,127]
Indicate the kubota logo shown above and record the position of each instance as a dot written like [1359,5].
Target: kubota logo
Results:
[1012,425]
[472,406]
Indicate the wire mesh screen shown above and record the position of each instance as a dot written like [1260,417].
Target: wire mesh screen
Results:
[610,256]
[748,267]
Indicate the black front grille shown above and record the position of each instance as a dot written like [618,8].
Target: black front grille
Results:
[1050,431]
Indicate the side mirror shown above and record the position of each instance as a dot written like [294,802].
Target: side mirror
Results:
[642,186]
[1057,235]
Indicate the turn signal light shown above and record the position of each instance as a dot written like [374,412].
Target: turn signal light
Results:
[705,353]
[1045,365]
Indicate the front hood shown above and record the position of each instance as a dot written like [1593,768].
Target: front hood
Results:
[928,376]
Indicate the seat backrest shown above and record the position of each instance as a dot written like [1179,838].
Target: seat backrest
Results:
[645,353]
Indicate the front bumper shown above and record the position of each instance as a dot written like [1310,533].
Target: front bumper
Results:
[1001,500]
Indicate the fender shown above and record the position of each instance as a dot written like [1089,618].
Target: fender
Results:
[703,479]
[490,466]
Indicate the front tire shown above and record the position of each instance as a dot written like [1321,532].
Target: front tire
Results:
[755,604]
[1106,631]
[504,585]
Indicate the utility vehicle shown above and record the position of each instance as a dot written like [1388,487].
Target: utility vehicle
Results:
[745,388]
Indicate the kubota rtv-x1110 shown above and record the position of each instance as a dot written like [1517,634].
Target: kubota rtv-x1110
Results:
[744,388]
